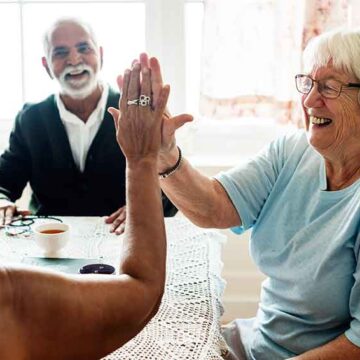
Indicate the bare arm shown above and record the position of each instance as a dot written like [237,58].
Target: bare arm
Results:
[52,316]
[203,200]
[338,349]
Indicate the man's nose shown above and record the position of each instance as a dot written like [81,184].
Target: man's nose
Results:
[313,98]
[74,57]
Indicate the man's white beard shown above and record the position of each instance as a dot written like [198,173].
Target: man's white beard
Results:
[78,89]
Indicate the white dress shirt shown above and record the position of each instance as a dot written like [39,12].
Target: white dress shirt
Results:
[81,134]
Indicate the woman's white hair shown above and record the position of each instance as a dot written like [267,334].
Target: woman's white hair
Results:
[66,20]
[341,47]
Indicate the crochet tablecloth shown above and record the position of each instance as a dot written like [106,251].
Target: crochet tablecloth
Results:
[187,325]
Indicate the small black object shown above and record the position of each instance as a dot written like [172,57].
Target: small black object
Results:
[97,269]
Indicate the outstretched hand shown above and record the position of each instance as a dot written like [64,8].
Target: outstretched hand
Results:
[138,128]
[169,124]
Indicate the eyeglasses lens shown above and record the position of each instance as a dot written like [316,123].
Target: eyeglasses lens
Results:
[304,84]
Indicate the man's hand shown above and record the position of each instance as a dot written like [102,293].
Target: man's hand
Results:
[7,211]
[117,219]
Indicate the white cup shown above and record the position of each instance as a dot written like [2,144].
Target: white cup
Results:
[52,237]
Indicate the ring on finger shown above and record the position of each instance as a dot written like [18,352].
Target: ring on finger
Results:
[144,100]
[133,102]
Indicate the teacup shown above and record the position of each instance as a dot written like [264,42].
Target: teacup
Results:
[52,237]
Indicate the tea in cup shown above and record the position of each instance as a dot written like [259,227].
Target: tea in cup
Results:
[52,237]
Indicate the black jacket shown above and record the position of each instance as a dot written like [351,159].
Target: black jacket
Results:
[39,152]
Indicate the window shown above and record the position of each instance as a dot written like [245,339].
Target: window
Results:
[10,69]
[251,52]
[124,28]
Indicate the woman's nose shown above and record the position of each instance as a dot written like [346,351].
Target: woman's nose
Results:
[313,98]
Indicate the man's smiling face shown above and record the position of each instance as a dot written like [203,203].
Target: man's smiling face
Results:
[74,59]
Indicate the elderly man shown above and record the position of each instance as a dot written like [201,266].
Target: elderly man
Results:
[65,145]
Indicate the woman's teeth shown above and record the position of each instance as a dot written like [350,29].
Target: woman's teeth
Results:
[316,120]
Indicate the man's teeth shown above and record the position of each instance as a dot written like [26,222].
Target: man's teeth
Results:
[76,72]
[317,120]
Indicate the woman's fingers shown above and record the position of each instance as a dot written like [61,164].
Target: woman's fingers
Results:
[144,60]
[161,104]
[181,119]
[125,86]
[146,82]
[120,83]
[156,79]
[133,92]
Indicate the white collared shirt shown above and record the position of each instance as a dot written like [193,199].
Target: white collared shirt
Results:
[81,134]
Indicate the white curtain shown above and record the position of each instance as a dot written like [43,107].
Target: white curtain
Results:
[252,50]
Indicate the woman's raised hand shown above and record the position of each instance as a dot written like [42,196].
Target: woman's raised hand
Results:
[139,121]
[170,124]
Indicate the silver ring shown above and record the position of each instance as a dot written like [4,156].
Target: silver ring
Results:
[133,102]
[144,100]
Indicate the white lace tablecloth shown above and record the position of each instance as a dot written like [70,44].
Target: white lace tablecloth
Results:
[187,324]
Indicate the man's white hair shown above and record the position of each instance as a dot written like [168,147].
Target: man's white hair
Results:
[67,20]
[340,47]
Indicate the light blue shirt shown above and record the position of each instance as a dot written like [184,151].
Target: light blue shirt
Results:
[306,240]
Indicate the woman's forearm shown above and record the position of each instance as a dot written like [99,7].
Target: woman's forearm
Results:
[201,199]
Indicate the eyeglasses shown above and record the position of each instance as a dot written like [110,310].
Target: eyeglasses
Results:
[328,88]
[22,224]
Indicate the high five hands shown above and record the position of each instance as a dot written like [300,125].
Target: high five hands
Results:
[146,70]
[138,124]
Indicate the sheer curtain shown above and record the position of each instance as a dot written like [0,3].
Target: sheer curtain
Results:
[252,50]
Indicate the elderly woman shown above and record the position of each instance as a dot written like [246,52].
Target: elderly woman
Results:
[301,198]
[51,316]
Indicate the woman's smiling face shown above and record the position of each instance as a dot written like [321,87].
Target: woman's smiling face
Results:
[332,124]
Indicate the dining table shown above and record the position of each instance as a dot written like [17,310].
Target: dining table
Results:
[187,325]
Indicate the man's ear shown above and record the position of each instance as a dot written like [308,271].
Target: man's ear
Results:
[101,52]
[46,66]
